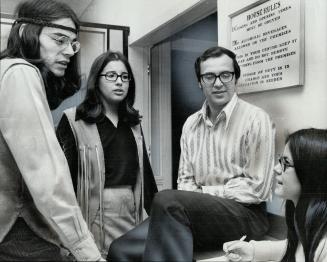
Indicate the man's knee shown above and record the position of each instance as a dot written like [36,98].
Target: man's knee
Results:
[116,251]
[165,200]
[169,203]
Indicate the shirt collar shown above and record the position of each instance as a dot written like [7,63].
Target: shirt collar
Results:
[227,111]
[229,108]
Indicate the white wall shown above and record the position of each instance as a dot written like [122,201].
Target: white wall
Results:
[142,16]
[297,107]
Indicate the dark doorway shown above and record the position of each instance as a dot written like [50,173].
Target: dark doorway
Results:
[186,97]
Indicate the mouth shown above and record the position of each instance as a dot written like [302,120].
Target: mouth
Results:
[63,63]
[218,92]
[118,91]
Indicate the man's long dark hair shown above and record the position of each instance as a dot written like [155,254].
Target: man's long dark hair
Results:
[91,109]
[27,46]
[307,221]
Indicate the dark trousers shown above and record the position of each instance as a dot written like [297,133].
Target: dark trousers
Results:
[182,221]
[22,244]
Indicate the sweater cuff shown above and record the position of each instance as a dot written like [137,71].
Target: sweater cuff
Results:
[261,251]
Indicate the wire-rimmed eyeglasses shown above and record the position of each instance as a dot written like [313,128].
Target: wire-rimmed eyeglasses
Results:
[113,76]
[63,42]
[284,162]
[210,78]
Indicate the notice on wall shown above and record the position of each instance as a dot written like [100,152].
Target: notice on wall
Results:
[268,39]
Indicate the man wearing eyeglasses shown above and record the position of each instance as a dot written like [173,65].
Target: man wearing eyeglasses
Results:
[225,172]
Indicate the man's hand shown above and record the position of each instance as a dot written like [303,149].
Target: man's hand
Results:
[213,179]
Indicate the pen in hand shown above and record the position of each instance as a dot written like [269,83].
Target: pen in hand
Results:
[238,250]
[241,239]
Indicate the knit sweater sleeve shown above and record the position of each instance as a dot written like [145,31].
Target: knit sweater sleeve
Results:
[269,250]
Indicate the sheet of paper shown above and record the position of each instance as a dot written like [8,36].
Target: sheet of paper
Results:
[218,259]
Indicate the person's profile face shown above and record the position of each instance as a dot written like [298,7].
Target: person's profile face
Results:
[221,90]
[57,46]
[114,82]
[288,185]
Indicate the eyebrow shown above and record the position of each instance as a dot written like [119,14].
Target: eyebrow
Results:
[113,71]
[221,72]
[61,34]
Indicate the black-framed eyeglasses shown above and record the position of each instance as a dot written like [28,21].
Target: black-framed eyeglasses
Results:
[284,163]
[113,76]
[210,78]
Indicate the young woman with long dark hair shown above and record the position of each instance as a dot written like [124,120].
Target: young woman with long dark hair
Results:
[38,209]
[302,181]
[104,145]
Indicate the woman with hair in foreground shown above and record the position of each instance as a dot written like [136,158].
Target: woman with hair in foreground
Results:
[104,145]
[302,182]
[38,209]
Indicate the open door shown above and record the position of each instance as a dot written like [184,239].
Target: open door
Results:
[175,93]
[161,157]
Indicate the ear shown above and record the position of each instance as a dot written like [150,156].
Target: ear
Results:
[200,86]
[235,87]
[21,29]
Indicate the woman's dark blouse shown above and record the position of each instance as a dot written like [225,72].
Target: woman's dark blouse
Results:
[120,154]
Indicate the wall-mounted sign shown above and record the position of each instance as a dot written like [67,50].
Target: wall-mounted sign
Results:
[268,39]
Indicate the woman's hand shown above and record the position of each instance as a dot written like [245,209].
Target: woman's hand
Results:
[239,250]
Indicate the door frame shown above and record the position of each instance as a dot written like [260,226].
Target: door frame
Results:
[190,16]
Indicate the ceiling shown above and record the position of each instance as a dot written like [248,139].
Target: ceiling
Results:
[79,6]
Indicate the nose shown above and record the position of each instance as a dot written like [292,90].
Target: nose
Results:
[218,82]
[68,50]
[119,80]
[278,169]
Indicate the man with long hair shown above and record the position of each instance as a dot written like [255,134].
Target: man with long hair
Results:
[38,210]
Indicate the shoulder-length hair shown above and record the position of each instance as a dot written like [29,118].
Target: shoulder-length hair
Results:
[91,109]
[27,46]
[307,221]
